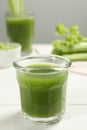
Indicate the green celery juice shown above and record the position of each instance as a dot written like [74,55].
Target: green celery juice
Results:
[43,90]
[21,30]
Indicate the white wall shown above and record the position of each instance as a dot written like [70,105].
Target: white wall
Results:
[47,14]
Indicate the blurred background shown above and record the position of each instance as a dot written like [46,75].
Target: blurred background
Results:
[48,13]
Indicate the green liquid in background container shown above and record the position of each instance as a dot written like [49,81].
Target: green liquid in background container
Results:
[21,30]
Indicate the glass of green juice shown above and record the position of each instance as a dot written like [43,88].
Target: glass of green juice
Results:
[42,82]
[20,29]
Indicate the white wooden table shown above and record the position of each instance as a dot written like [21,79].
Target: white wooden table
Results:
[75,117]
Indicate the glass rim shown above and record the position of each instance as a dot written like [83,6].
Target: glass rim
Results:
[24,13]
[59,67]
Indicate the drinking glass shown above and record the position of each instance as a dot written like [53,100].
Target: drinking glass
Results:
[20,29]
[42,82]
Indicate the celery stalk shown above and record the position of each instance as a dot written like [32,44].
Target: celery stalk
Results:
[77,56]
[73,45]
[16,6]
[78,48]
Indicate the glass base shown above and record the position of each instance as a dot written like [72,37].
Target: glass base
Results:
[32,52]
[26,53]
[50,120]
